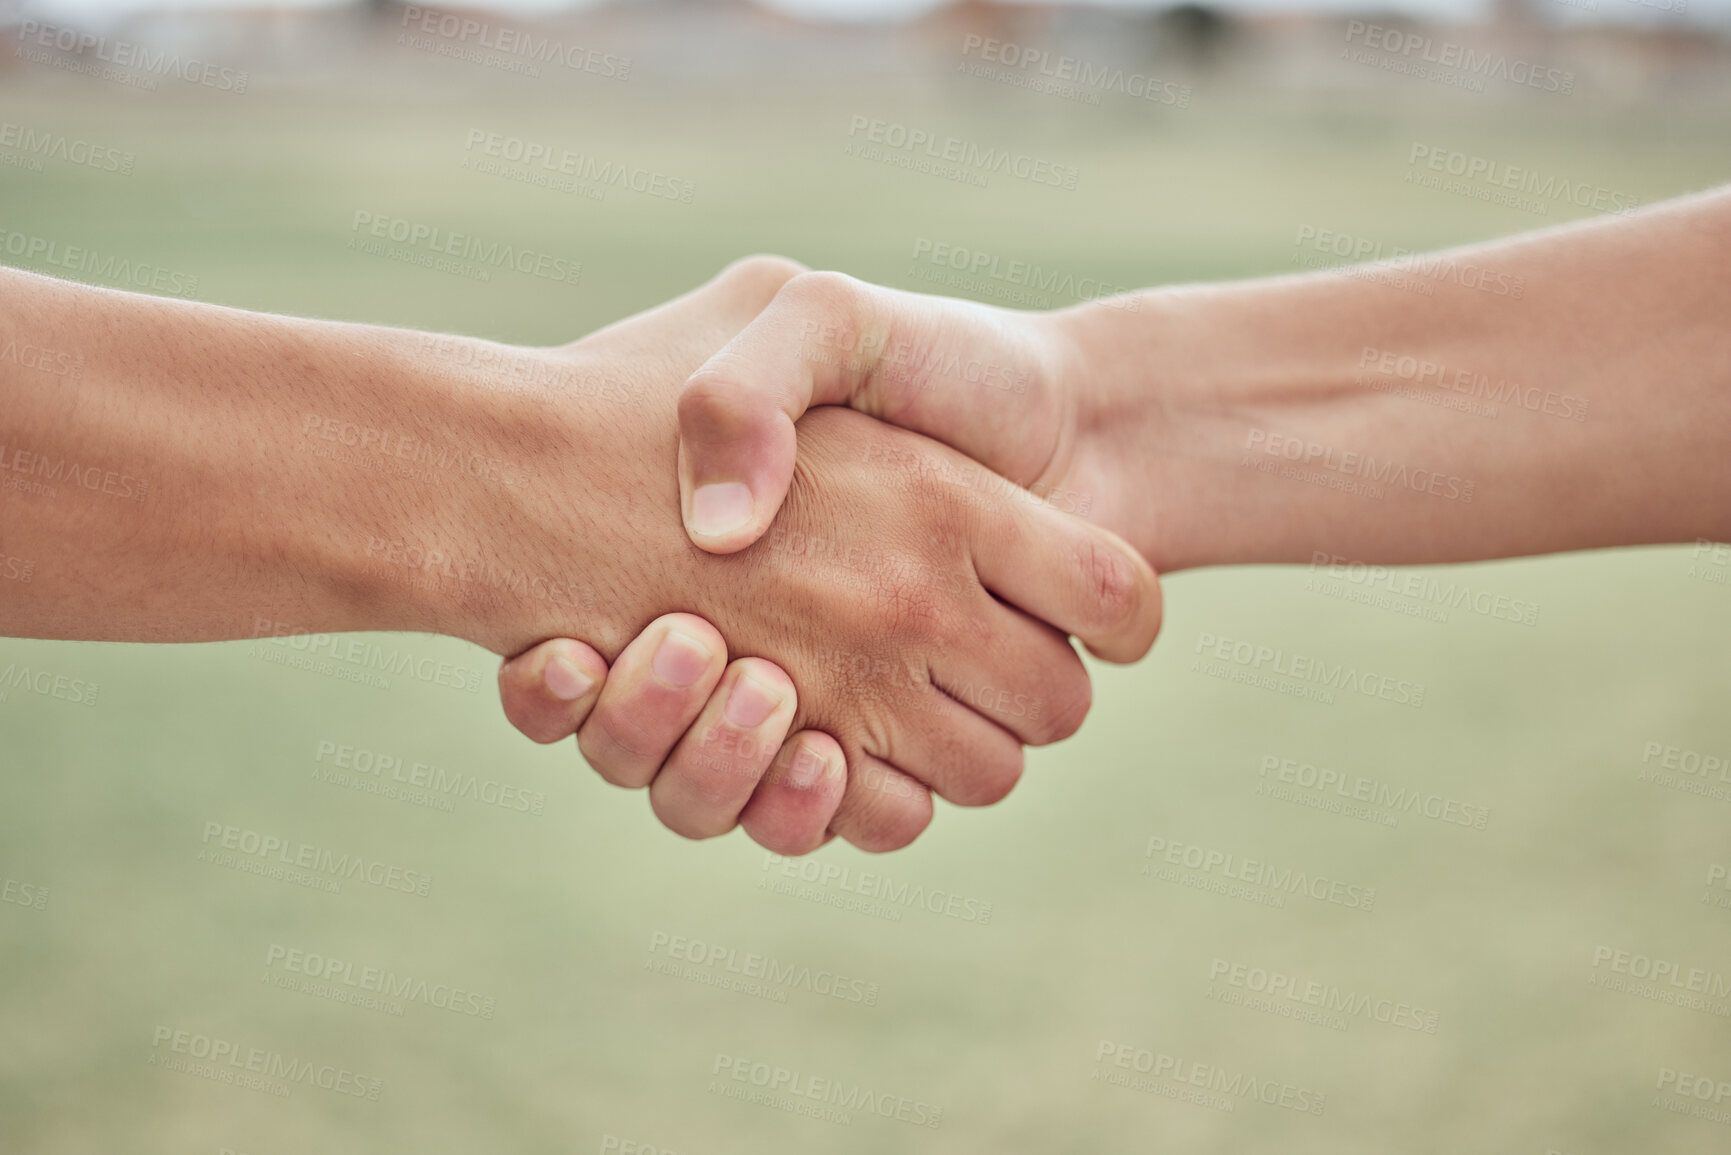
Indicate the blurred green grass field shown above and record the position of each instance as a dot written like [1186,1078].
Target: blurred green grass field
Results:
[999,1022]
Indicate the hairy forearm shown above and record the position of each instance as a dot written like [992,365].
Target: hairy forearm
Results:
[1444,418]
[181,472]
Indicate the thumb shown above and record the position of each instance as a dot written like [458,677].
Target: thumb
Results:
[971,376]
[736,413]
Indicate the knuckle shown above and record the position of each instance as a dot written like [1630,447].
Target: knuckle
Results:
[788,843]
[905,603]
[540,728]
[760,275]
[987,785]
[520,712]
[723,768]
[1110,583]
[825,293]
[951,500]
[711,401]
[629,735]
[893,830]
[690,808]
[1063,708]
[874,684]
[961,630]
[897,812]
[692,826]
[634,733]
[609,758]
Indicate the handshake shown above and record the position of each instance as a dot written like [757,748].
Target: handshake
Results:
[796,552]
[901,596]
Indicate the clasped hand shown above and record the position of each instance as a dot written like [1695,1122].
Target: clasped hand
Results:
[853,615]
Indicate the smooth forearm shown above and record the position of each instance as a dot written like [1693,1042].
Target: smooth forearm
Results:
[1442,418]
[205,470]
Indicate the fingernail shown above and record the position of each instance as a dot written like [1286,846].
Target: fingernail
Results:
[805,769]
[680,659]
[565,681]
[750,702]
[720,508]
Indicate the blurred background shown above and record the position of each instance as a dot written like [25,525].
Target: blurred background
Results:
[1529,951]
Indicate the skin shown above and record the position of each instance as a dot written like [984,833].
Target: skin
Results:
[1151,402]
[1160,414]
[917,630]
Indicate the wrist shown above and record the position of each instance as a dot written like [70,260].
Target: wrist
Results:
[536,530]
[436,466]
[1149,387]
[1194,395]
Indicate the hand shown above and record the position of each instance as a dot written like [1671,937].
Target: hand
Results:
[552,690]
[999,385]
[924,676]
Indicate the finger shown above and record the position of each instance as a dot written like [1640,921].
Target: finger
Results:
[1080,578]
[791,810]
[736,415]
[882,808]
[711,774]
[548,690]
[1015,671]
[931,364]
[951,748]
[685,330]
[657,687]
